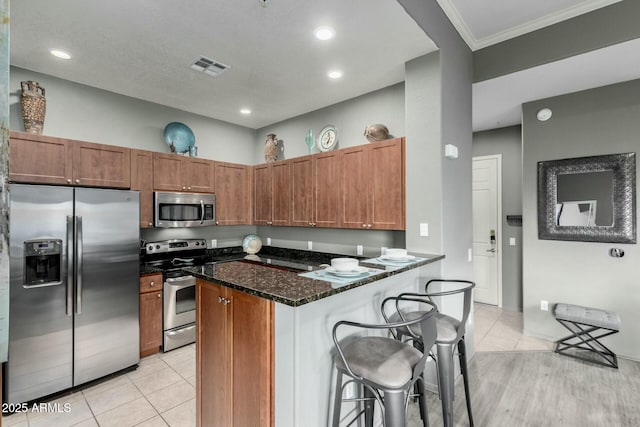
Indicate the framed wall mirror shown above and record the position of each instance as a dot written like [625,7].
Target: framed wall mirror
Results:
[589,199]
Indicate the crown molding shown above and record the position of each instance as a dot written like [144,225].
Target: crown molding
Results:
[553,18]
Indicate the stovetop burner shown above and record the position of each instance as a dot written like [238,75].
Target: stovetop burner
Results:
[172,255]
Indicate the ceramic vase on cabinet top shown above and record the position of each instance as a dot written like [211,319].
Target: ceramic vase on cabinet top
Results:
[271,148]
[34,106]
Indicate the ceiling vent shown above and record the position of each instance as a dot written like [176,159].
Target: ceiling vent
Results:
[209,66]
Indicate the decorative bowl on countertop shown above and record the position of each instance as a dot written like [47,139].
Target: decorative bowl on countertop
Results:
[252,244]
[344,264]
[394,253]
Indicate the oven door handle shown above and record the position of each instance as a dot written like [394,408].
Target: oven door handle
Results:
[179,331]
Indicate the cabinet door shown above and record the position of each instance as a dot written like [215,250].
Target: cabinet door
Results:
[98,165]
[302,192]
[167,172]
[39,159]
[150,323]
[233,194]
[252,356]
[356,176]
[386,196]
[262,194]
[213,357]
[281,193]
[142,180]
[198,175]
[326,184]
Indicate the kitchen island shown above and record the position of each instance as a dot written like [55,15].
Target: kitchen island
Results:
[264,345]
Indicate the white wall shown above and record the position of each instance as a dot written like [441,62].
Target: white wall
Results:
[82,112]
[592,122]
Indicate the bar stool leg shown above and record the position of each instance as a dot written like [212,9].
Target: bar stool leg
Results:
[394,409]
[422,400]
[368,407]
[462,350]
[445,381]
[337,400]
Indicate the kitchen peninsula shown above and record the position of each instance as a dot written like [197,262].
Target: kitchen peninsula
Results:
[264,349]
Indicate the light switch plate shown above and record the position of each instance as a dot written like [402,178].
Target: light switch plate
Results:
[424,229]
[512,241]
[359,250]
[214,243]
[268,241]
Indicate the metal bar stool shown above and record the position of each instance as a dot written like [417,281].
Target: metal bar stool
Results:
[450,335]
[385,368]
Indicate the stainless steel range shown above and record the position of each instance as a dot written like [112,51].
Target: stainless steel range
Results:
[179,288]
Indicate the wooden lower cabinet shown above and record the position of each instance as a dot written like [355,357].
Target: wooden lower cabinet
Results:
[150,314]
[234,357]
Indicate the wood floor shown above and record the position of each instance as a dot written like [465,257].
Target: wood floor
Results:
[523,389]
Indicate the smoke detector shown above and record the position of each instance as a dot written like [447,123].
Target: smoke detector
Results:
[209,66]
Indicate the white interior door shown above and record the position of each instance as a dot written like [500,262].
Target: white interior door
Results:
[487,229]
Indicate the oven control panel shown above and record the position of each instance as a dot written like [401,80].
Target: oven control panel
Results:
[166,246]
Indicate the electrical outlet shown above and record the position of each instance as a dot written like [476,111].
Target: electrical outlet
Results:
[214,243]
[470,255]
[512,241]
[544,305]
[424,229]
[310,245]
[359,250]
[268,241]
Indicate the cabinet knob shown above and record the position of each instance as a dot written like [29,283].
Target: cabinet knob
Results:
[77,181]
[152,283]
[69,181]
[364,225]
[184,188]
[217,222]
[150,224]
[313,224]
[188,188]
[369,225]
[159,295]
[220,299]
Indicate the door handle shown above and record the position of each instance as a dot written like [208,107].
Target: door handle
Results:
[70,276]
[78,265]
[491,250]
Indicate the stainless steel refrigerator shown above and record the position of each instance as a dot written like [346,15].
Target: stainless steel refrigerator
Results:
[74,287]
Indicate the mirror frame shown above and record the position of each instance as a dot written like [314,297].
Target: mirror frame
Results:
[623,229]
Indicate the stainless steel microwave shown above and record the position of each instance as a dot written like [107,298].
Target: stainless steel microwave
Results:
[184,209]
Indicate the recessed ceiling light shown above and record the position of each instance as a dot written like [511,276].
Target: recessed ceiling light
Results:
[60,54]
[335,74]
[245,111]
[544,114]
[324,33]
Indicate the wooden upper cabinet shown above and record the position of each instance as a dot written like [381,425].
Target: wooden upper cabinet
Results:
[326,184]
[272,193]
[302,194]
[373,193]
[99,165]
[40,159]
[177,173]
[387,190]
[233,193]
[49,160]
[142,180]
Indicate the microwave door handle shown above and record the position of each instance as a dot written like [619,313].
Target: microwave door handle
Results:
[70,244]
[201,211]
[79,265]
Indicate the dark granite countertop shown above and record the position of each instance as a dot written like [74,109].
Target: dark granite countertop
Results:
[280,281]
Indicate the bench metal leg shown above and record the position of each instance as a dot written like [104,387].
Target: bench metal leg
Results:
[580,332]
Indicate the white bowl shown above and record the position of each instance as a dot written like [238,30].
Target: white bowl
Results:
[344,264]
[396,253]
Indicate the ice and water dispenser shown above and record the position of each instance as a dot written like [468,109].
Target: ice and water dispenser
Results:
[42,263]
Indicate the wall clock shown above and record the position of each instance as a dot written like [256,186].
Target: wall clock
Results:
[327,138]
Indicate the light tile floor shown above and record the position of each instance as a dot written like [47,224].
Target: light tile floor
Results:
[497,329]
[160,393]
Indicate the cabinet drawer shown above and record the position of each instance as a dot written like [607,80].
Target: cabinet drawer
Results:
[150,283]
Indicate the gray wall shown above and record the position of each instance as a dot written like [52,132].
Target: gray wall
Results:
[508,142]
[82,112]
[600,28]
[350,117]
[593,122]
[4,174]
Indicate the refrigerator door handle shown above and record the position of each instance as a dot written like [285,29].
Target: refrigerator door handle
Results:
[70,275]
[78,265]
